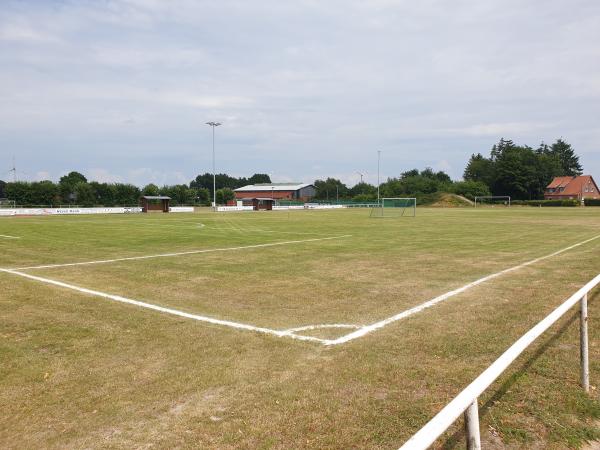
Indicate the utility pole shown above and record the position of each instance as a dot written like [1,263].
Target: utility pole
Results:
[213,125]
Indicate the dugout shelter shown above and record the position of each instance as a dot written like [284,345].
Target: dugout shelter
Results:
[155,203]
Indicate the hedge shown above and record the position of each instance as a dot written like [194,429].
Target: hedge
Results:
[592,201]
[546,202]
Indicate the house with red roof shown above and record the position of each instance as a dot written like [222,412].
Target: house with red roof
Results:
[572,188]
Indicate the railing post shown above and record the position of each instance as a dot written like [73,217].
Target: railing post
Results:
[583,345]
[472,427]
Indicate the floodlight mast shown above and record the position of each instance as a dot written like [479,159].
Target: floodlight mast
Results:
[378,161]
[213,125]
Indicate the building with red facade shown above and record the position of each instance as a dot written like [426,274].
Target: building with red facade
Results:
[572,188]
[301,192]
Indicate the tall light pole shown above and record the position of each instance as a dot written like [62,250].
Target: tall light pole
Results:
[213,125]
[361,176]
[378,161]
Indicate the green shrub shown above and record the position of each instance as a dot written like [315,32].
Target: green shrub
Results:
[546,202]
[470,189]
[592,201]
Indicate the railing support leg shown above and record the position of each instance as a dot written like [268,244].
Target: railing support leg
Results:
[583,345]
[472,427]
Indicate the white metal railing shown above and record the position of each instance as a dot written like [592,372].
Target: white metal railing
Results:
[466,401]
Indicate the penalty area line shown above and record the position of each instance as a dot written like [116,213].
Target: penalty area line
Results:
[190,252]
[162,309]
[363,331]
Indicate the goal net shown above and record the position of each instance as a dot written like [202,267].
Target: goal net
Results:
[492,200]
[395,207]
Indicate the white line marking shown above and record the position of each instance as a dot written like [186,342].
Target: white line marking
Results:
[175,312]
[291,333]
[191,252]
[319,327]
[256,230]
[428,304]
[9,237]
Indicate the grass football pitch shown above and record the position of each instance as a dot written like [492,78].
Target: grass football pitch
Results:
[299,329]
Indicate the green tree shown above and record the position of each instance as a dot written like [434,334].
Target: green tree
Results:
[202,196]
[428,172]
[151,189]
[520,171]
[365,198]
[567,158]
[222,181]
[364,191]
[18,192]
[480,168]
[330,189]
[104,193]
[258,178]
[180,194]
[126,194]
[67,185]
[43,193]
[409,185]
[471,189]
[517,173]
[2,186]
[224,195]
[84,194]
[548,167]
[73,178]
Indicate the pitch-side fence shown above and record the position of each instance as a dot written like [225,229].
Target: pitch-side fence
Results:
[466,401]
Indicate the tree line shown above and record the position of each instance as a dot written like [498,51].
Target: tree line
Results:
[521,171]
[516,170]
[412,183]
[75,189]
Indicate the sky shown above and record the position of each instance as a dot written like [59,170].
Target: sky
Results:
[120,90]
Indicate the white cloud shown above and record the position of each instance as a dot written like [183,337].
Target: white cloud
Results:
[297,85]
[102,176]
[26,34]
[501,129]
[42,175]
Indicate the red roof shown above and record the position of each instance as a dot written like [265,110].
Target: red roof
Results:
[559,182]
[572,185]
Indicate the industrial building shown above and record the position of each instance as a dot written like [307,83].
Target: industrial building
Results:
[301,192]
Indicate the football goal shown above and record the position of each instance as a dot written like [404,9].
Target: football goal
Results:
[395,207]
[492,200]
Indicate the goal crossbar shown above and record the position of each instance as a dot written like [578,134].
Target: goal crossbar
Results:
[481,198]
[395,207]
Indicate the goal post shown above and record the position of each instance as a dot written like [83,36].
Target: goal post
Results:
[492,200]
[395,207]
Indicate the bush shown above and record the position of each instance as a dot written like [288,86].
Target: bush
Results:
[364,198]
[470,189]
[224,195]
[592,201]
[545,202]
